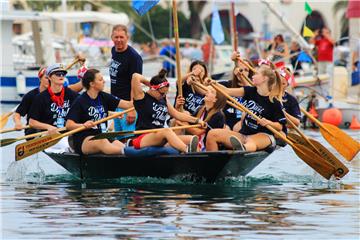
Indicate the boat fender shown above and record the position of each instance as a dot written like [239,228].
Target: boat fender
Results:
[149,151]
[355,124]
[20,84]
[332,116]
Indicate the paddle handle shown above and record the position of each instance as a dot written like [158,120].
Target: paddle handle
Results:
[13,129]
[37,134]
[301,133]
[248,65]
[96,123]
[75,61]
[159,129]
[314,119]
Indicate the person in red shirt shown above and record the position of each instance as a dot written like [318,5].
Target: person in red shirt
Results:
[325,46]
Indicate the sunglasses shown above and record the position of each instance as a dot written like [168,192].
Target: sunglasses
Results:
[244,70]
[60,74]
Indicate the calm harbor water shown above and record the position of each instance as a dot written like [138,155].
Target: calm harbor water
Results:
[281,199]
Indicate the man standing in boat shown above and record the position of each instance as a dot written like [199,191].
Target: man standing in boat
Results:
[125,61]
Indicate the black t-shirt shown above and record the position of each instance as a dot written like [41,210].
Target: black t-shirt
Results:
[193,100]
[25,104]
[85,108]
[46,111]
[232,115]
[24,108]
[151,112]
[291,105]
[123,65]
[261,106]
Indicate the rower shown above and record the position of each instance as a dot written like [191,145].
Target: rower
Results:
[25,104]
[211,113]
[264,99]
[192,98]
[92,106]
[152,108]
[50,107]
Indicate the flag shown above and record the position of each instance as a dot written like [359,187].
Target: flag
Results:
[307,32]
[303,57]
[308,8]
[217,32]
[142,6]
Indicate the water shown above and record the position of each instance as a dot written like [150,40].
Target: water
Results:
[281,199]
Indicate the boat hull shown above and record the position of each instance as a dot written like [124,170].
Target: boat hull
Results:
[208,166]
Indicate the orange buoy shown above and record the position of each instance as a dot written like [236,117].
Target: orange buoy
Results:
[355,124]
[332,116]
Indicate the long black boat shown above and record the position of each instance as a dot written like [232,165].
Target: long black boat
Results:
[200,166]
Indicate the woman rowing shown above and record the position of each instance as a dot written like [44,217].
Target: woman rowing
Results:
[92,106]
[211,113]
[264,99]
[152,108]
[25,104]
[233,116]
[192,97]
[50,107]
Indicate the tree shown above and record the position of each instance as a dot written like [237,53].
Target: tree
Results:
[196,8]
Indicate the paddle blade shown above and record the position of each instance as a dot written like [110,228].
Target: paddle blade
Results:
[341,169]
[316,162]
[4,119]
[342,142]
[36,145]
[7,141]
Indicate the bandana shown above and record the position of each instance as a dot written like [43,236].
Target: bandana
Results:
[160,85]
[59,100]
[264,61]
[81,72]
[285,74]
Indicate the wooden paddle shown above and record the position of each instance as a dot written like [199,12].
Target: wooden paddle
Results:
[341,169]
[13,129]
[31,147]
[341,141]
[5,117]
[319,164]
[7,141]
[112,135]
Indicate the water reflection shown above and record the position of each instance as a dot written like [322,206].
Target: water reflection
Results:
[113,209]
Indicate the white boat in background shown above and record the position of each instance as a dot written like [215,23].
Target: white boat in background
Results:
[21,58]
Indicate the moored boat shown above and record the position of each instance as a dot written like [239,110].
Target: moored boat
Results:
[204,166]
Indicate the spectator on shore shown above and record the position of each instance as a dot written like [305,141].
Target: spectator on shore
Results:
[295,48]
[324,46]
[169,51]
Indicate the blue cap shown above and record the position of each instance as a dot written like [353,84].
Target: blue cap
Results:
[57,67]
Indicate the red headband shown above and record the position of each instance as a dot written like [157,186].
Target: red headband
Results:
[160,85]
[264,61]
[285,74]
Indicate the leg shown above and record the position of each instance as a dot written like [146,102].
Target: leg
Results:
[256,142]
[161,137]
[216,136]
[101,146]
